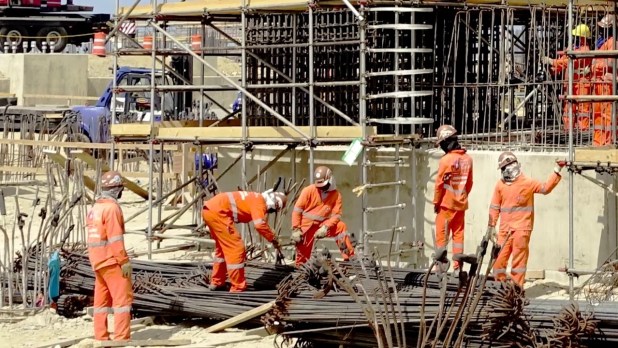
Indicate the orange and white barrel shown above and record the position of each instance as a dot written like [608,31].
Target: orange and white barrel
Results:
[147,42]
[98,48]
[196,43]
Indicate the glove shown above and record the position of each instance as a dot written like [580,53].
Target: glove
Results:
[321,233]
[127,269]
[492,233]
[587,70]
[546,60]
[436,208]
[557,169]
[297,236]
[276,243]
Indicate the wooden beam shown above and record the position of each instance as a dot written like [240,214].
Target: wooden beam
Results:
[603,155]
[133,130]
[58,96]
[61,160]
[42,171]
[241,318]
[322,132]
[82,145]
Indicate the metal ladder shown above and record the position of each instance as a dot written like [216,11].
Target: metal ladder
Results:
[386,163]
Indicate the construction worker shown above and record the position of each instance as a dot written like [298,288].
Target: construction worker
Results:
[108,257]
[317,214]
[453,185]
[582,111]
[513,203]
[602,72]
[220,214]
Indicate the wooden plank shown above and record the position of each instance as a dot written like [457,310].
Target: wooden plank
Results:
[130,185]
[61,160]
[322,132]
[58,96]
[241,318]
[91,173]
[603,155]
[142,343]
[82,145]
[133,130]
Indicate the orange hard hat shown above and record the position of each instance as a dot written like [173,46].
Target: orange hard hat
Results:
[111,179]
[322,176]
[445,131]
[506,158]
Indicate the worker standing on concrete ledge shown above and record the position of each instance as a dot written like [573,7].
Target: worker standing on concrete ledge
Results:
[220,213]
[582,111]
[112,289]
[513,203]
[453,185]
[317,214]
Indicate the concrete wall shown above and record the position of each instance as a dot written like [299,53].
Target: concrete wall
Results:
[595,222]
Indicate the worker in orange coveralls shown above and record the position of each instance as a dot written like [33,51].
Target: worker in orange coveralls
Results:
[513,202]
[602,72]
[582,111]
[317,214]
[220,214]
[112,288]
[453,185]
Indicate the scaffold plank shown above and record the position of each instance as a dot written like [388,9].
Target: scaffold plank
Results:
[133,130]
[257,133]
[83,145]
[603,155]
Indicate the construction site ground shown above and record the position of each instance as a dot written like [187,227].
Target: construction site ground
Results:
[46,328]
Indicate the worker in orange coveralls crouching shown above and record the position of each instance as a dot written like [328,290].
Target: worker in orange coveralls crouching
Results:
[317,214]
[112,288]
[513,203]
[221,213]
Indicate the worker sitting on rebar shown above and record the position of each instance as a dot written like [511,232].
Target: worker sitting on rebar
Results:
[317,214]
[108,257]
[513,203]
[453,185]
[603,80]
[582,111]
[220,214]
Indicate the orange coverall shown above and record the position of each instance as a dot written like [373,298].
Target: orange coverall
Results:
[220,213]
[453,185]
[112,292]
[513,203]
[582,111]
[603,85]
[314,209]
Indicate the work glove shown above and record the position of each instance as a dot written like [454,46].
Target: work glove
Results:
[276,243]
[321,233]
[587,70]
[436,208]
[297,236]
[546,60]
[492,234]
[127,269]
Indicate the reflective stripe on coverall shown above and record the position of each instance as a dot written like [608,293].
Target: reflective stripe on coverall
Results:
[220,213]
[582,111]
[315,209]
[453,184]
[603,85]
[112,292]
[513,203]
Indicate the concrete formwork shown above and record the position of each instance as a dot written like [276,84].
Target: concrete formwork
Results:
[595,222]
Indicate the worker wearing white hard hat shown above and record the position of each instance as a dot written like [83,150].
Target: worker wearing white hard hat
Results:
[582,111]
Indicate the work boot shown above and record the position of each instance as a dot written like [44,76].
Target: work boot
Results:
[213,287]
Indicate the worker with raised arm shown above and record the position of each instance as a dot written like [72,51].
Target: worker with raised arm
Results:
[513,203]
[317,214]
[582,111]
[112,269]
[603,82]
[453,185]
[220,214]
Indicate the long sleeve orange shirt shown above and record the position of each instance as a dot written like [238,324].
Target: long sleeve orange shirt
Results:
[454,181]
[311,209]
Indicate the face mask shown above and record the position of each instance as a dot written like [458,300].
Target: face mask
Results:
[511,172]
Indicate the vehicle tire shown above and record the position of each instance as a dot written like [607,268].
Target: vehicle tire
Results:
[57,35]
[10,35]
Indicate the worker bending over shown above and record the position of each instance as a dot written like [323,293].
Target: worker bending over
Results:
[453,185]
[317,214]
[603,81]
[513,202]
[582,111]
[220,214]
[112,287]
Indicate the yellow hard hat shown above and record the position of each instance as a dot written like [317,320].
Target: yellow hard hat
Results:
[581,30]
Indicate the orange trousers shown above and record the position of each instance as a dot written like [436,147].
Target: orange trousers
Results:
[516,245]
[582,111]
[229,251]
[454,221]
[339,232]
[113,293]
[602,130]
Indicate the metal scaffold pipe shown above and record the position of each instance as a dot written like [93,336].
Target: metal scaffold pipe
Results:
[571,157]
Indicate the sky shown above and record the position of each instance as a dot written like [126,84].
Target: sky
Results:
[109,6]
